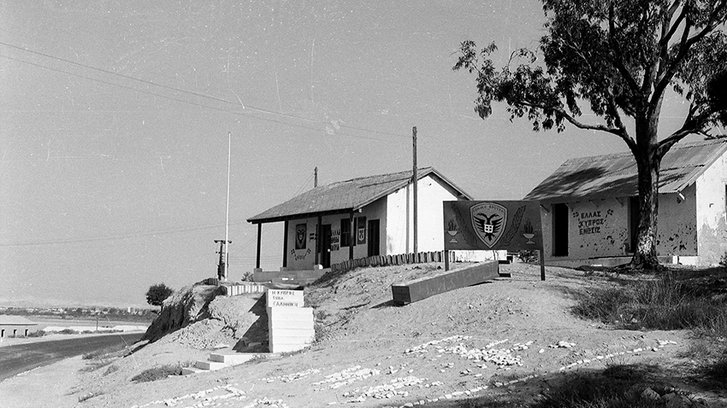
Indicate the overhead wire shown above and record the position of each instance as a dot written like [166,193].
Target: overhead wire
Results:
[185,91]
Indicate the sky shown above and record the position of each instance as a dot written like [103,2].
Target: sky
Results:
[115,115]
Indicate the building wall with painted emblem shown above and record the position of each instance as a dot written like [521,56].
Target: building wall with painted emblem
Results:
[603,228]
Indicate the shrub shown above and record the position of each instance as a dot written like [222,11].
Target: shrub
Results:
[157,373]
[157,293]
[37,333]
[666,303]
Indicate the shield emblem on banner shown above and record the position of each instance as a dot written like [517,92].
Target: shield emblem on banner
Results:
[488,221]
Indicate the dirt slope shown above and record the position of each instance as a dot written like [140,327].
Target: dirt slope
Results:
[511,339]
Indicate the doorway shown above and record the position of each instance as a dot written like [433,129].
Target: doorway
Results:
[374,237]
[326,245]
[560,230]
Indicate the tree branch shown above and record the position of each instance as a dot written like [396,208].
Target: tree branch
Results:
[666,36]
[709,25]
[618,131]
[617,52]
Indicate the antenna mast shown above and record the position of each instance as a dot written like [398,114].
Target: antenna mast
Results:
[224,253]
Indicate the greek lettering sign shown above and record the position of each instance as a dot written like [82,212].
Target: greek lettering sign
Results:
[490,225]
[284,298]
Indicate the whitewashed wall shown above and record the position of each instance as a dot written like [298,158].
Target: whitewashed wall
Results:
[400,218]
[600,228]
[712,212]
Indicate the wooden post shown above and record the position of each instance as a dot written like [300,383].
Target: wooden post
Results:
[318,240]
[414,182]
[446,260]
[541,255]
[351,236]
[285,244]
[259,235]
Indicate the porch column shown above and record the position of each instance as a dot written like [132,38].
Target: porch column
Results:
[318,240]
[285,244]
[259,234]
[351,236]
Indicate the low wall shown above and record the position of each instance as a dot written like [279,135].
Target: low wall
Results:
[288,277]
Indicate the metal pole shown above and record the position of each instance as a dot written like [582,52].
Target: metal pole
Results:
[414,182]
[315,177]
[227,209]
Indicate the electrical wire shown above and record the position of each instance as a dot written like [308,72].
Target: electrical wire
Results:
[180,90]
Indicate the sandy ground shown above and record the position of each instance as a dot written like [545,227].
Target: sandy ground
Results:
[49,386]
[512,339]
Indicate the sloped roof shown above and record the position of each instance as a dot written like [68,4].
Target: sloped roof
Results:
[12,320]
[346,196]
[614,175]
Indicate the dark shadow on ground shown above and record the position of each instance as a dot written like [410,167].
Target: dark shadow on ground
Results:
[617,386]
[255,339]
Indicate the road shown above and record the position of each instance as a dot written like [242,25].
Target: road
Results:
[23,357]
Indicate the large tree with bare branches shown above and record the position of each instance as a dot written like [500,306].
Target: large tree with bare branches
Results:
[621,58]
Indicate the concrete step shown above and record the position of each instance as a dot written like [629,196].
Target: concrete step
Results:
[232,358]
[191,370]
[210,365]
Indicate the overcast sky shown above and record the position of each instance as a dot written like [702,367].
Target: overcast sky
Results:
[114,118]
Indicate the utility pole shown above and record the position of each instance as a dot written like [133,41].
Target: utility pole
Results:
[315,177]
[414,180]
[224,254]
[222,263]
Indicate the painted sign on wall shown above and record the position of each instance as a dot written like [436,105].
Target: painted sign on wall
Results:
[490,225]
[300,234]
[360,230]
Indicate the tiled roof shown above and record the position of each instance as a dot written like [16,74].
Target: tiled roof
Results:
[343,196]
[614,175]
[12,320]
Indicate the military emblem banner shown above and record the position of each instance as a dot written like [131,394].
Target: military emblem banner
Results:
[490,225]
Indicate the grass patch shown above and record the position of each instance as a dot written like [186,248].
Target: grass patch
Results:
[622,386]
[666,302]
[158,373]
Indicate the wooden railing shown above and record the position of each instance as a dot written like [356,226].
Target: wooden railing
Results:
[387,260]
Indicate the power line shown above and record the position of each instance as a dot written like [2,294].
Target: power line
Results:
[157,94]
[115,237]
[194,93]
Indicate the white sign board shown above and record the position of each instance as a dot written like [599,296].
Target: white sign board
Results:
[284,298]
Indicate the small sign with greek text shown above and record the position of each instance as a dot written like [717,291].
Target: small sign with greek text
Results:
[284,298]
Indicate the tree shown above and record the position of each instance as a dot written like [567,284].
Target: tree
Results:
[157,293]
[621,58]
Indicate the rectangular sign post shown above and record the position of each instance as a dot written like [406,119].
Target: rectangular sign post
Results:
[493,225]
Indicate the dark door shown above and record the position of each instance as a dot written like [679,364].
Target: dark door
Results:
[633,222]
[373,237]
[326,246]
[560,230]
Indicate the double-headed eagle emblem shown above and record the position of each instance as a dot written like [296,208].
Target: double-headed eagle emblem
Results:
[488,221]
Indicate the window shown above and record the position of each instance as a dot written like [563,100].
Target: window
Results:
[345,232]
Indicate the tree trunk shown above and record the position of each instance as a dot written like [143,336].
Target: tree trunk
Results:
[648,180]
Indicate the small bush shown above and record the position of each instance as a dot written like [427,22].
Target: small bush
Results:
[67,331]
[37,333]
[157,373]
[662,304]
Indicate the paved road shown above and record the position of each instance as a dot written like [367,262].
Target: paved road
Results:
[23,357]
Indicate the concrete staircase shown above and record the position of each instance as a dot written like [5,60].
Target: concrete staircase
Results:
[222,358]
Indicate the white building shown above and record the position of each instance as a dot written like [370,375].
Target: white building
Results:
[361,217]
[589,207]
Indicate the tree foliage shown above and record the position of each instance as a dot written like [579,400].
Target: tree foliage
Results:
[620,58]
[156,294]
